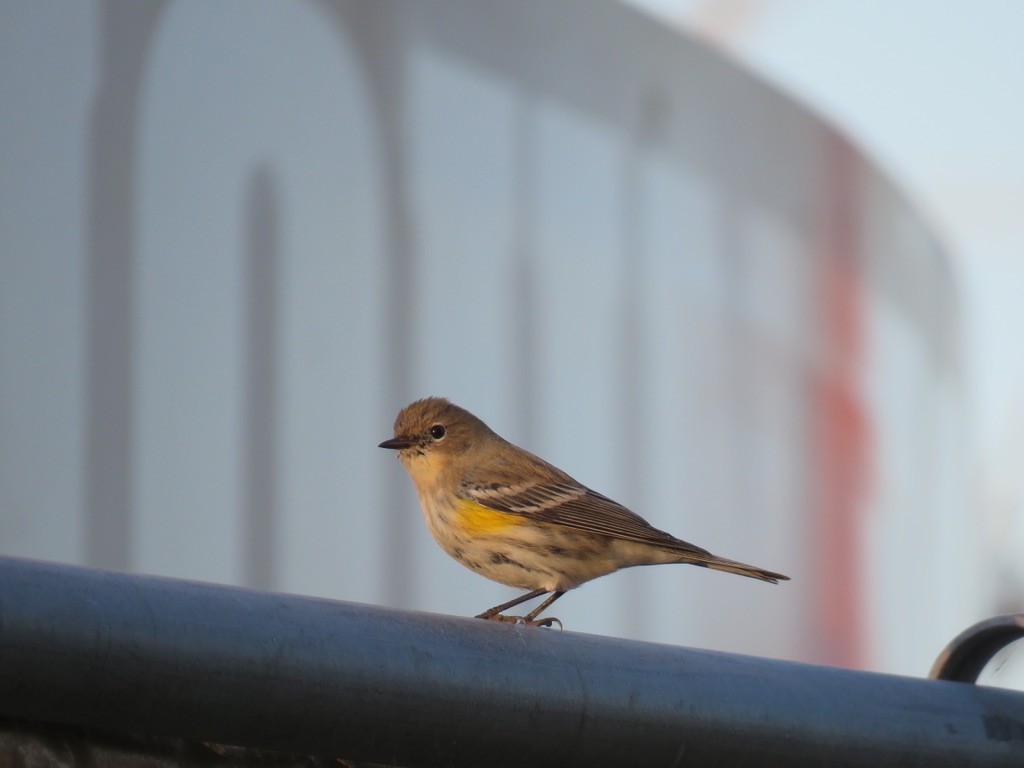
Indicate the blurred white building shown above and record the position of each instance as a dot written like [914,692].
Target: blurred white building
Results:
[236,238]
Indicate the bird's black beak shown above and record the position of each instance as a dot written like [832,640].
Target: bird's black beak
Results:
[396,443]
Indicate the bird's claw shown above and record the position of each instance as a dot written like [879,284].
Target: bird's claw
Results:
[524,620]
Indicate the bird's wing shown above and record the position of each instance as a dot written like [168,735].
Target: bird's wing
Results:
[575,506]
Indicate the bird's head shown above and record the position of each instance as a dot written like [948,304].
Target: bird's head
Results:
[430,433]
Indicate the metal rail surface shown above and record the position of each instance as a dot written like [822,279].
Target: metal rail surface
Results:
[197,661]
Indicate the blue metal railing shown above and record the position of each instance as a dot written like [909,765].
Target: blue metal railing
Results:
[197,661]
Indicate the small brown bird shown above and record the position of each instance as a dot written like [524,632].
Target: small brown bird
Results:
[514,518]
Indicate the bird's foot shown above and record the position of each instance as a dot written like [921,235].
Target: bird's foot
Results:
[528,621]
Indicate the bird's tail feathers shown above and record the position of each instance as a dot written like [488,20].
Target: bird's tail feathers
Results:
[732,566]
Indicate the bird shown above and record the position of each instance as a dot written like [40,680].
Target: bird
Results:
[514,518]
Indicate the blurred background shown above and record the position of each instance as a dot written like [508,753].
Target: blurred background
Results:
[750,268]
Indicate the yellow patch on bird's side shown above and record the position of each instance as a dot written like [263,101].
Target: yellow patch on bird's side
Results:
[475,518]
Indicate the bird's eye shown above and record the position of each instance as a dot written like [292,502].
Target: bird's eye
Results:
[437,431]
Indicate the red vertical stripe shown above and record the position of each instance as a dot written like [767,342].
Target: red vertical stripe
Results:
[840,433]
